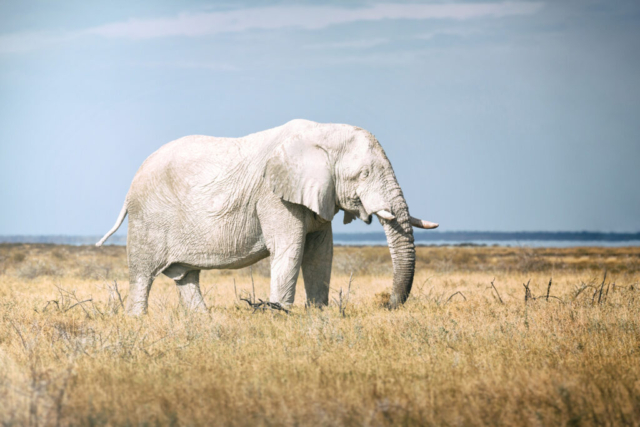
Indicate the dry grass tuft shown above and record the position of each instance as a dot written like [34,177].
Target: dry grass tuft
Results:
[382,299]
[485,338]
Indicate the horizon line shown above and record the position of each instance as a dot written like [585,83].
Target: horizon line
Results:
[366,232]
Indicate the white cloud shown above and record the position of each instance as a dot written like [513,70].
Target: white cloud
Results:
[350,44]
[268,18]
[460,32]
[303,17]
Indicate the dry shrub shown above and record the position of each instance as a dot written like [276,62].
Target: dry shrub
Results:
[95,271]
[33,269]
[529,260]
[18,257]
[361,261]
[59,253]
[382,299]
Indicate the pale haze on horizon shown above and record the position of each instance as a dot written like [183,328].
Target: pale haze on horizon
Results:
[496,116]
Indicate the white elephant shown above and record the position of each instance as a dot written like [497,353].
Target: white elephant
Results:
[202,202]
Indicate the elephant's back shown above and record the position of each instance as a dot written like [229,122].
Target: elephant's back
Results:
[194,152]
[193,173]
[190,157]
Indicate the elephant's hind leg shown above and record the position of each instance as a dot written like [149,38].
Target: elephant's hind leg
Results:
[139,287]
[316,266]
[190,295]
[142,272]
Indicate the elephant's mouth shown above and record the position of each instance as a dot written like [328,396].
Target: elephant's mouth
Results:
[358,210]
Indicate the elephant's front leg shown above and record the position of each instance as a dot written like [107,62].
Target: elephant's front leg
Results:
[284,231]
[285,267]
[316,266]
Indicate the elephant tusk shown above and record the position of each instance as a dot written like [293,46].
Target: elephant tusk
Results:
[385,215]
[422,224]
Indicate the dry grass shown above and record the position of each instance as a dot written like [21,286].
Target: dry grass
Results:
[461,351]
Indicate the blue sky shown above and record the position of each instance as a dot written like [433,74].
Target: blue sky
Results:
[496,115]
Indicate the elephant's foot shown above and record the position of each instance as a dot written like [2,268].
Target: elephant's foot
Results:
[136,308]
[193,304]
[316,304]
[283,297]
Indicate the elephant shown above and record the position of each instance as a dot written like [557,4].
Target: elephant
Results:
[203,202]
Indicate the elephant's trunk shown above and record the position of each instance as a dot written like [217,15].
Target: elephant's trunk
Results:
[400,239]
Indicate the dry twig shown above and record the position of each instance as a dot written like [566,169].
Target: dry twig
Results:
[117,292]
[454,294]
[263,305]
[79,303]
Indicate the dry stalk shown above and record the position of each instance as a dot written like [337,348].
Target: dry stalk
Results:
[497,293]
[253,285]
[601,287]
[235,290]
[342,299]
[527,292]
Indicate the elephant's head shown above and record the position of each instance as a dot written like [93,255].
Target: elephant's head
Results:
[328,167]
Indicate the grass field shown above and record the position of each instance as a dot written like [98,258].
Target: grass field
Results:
[460,352]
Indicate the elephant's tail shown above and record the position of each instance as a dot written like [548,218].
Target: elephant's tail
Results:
[123,213]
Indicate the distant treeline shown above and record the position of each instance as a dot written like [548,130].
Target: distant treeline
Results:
[63,240]
[501,236]
[420,237]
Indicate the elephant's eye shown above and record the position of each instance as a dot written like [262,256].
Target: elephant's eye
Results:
[364,174]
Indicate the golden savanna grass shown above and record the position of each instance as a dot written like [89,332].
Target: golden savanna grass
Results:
[460,352]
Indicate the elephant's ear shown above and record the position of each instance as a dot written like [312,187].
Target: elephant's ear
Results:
[299,172]
[348,217]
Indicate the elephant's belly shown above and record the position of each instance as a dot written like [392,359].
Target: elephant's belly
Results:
[216,254]
[236,261]
[177,271]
